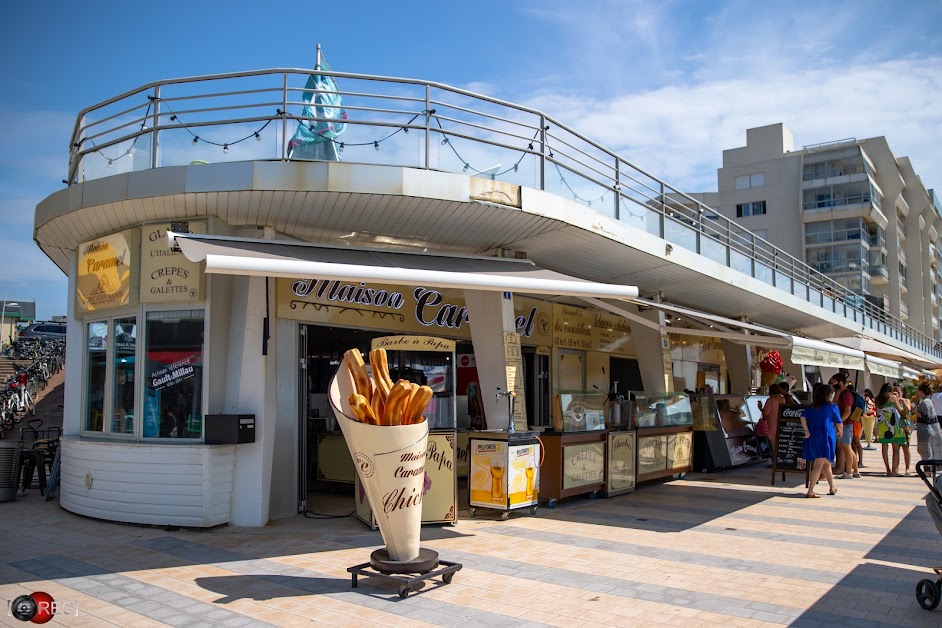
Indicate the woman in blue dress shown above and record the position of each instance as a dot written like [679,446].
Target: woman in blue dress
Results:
[823,426]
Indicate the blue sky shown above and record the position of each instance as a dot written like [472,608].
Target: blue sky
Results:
[667,84]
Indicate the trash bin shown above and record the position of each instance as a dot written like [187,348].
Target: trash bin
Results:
[9,467]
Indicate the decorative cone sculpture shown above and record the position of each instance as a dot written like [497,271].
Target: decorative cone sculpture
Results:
[389,455]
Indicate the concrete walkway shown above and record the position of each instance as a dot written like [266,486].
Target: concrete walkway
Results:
[713,550]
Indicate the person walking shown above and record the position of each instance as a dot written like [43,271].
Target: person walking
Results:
[869,420]
[823,426]
[846,458]
[928,433]
[889,428]
[857,425]
[770,413]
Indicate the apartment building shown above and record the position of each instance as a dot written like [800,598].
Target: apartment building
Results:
[850,208]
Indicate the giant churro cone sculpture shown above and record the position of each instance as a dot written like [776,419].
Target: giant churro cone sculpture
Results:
[387,435]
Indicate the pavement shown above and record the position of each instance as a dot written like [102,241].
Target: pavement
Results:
[723,549]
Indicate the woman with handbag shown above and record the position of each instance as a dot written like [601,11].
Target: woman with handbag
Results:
[907,411]
[889,427]
[823,426]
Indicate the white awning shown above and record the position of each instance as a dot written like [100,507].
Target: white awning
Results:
[909,372]
[880,366]
[818,353]
[874,347]
[930,375]
[268,258]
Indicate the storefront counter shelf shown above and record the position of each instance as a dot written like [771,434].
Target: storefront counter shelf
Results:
[574,464]
[664,452]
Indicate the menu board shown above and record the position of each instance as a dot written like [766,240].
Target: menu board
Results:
[583,465]
[652,454]
[679,450]
[790,442]
[513,357]
[621,461]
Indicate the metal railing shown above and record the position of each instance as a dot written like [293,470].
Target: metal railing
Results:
[406,122]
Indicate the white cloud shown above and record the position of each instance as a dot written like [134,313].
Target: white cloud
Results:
[678,132]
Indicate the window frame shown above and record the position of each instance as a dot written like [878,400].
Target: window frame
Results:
[139,313]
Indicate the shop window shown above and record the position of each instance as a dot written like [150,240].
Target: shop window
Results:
[110,368]
[173,375]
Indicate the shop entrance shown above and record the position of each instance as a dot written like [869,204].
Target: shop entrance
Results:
[536,386]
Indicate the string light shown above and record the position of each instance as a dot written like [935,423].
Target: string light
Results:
[376,145]
[257,134]
[258,137]
[225,148]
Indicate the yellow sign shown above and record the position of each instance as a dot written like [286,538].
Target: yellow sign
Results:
[399,309]
[524,480]
[583,465]
[489,474]
[652,454]
[513,358]
[440,501]
[106,271]
[413,343]
[621,460]
[167,276]
[679,450]
[589,330]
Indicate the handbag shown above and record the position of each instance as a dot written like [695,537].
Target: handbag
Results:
[890,427]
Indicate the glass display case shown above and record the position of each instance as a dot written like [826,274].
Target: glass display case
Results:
[725,430]
[579,411]
[660,410]
[435,369]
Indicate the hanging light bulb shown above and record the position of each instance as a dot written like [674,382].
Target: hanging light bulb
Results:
[466,167]
[225,148]
[405,130]
[258,138]
[376,145]
[110,162]
[196,138]
[444,141]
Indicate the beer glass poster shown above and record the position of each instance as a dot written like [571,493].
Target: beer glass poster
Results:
[488,473]
[523,481]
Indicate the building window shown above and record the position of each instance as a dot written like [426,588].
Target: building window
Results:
[110,368]
[173,376]
[756,208]
[748,181]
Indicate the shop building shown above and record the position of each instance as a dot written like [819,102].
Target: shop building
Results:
[209,295]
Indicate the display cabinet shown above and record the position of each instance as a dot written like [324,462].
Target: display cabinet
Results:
[665,434]
[725,432]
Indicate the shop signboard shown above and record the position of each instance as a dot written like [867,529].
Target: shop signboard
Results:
[590,330]
[621,462]
[106,276]
[789,443]
[413,343]
[403,309]
[652,454]
[167,276]
[583,465]
[173,374]
[463,454]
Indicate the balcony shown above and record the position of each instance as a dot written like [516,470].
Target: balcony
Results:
[879,276]
[903,310]
[248,119]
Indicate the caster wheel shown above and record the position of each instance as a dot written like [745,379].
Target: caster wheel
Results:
[680,476]
[593,494]
[332,489]
[404,592]
[504,516]
[447,577]
[551,503]
[927,594]
[533,509]
[472,511]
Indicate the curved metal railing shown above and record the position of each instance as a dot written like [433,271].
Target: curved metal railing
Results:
[406,122]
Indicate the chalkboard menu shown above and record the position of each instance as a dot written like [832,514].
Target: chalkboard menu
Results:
[789,442]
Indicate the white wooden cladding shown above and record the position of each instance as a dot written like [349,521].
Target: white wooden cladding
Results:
[181,485]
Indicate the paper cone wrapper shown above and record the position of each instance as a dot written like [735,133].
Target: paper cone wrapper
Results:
[390,461]
[768,378]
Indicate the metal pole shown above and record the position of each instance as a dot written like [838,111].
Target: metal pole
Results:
[153,131]
[284,119]
[543,153]
[428,124]
[617,189]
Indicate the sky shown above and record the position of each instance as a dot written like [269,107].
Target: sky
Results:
[667,84]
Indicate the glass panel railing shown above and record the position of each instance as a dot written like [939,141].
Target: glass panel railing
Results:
[740,262]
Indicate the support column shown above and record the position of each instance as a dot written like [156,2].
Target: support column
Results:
[72,403]
[654,355]
[250,389]
[491,315]
[738,366]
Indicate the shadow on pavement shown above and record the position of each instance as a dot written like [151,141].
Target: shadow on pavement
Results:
[269,587]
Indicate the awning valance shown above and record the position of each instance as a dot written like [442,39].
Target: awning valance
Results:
[817,353]
[909,372]
[874,347]
[267,258]
[880,366]
[930,375]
